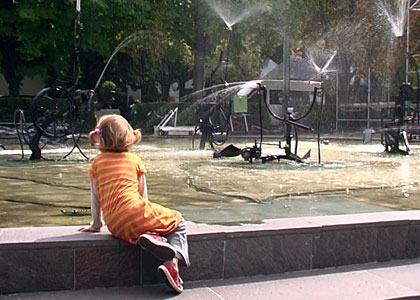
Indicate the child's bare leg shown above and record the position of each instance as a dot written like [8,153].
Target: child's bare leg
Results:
[175,262]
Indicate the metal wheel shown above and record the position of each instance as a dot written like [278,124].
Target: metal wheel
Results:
[213,123]
[220,121]
[53,112]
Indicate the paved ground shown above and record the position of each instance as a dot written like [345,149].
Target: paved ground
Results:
[391,280]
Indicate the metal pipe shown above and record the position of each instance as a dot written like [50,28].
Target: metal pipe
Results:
[286,77]
[413,7]
[408,42]
[228,52]
[336,101]
[319,121]
[368,99]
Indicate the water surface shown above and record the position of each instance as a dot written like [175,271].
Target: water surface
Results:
[352,178]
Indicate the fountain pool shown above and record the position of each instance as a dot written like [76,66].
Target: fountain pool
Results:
[353,178]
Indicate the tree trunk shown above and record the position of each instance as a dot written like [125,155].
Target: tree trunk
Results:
[14,85]
[10,63]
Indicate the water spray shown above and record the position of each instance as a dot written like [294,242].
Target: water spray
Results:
[230,16]
[322,72]
[395,14]
[402,116]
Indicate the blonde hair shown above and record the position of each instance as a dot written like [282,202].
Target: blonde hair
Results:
[113,133]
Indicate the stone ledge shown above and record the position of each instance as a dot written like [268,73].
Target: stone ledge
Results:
[60,258]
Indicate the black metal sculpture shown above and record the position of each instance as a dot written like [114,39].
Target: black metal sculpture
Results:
[403,115]
[253,153]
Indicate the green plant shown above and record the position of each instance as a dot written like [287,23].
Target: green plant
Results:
[109,85]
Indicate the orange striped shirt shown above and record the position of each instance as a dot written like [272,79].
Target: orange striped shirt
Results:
[126,213]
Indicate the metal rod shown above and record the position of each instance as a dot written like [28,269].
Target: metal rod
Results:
[408,43]
[368,106]
[286,77]
[336,101]
[413,7]
[228,52]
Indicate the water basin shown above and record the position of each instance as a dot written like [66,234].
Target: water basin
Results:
[352,178]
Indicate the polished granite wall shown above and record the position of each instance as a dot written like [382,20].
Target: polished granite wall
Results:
[61,258]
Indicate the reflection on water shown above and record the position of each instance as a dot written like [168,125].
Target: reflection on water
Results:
[353,178]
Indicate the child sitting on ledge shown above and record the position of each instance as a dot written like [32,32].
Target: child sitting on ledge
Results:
[119,192]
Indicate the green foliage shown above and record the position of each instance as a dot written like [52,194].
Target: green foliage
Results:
[34,39]
[253,117]
[9,105]
[174,41]
[109,85]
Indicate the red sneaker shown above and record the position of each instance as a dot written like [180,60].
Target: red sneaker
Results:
[158,246]
[171,275]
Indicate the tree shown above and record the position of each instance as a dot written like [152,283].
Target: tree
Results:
[152,49]
[34,39]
